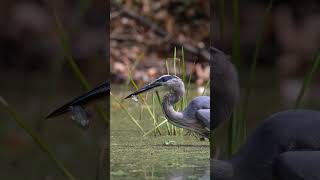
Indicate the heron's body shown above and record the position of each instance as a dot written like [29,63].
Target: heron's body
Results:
[198,108]
[286,146]
[270,152]
[195,117]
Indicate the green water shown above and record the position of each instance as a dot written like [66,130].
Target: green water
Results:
[32,99]
[134,156]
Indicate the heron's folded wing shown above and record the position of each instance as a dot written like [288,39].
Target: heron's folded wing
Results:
[204,116]
[299,165]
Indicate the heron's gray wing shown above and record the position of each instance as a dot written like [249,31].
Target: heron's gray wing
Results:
[299,165]
[204,116]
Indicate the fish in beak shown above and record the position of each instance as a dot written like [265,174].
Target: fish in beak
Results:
[76,106]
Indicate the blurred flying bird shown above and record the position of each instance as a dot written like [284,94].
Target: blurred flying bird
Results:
[77,105]
[286,146]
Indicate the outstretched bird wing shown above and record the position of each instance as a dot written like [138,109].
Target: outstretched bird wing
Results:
[204,116]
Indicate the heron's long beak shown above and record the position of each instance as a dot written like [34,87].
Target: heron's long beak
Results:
[144,89]
[97,93]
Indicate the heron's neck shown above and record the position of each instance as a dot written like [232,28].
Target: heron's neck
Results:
[224,86]
[169,100]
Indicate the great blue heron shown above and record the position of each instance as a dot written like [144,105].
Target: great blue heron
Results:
[76,106]
[285,146]
[195,117]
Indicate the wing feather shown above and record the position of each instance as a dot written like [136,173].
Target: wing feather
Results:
[204,116]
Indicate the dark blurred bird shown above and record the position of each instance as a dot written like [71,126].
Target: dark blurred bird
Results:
[77,105]
[286,146]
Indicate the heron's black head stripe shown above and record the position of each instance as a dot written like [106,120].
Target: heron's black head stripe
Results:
[165,78]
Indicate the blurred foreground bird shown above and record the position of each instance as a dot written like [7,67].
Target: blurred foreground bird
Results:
[286,146]
[77,105]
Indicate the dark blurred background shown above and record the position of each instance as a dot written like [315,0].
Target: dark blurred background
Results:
[289,46]
[35,78]
[291,38]
[29,42]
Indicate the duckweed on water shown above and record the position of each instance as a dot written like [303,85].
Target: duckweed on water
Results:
[134,156]
[145,157]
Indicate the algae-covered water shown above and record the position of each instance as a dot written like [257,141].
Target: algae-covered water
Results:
[134,156]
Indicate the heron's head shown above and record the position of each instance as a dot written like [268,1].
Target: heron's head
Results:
[169,81]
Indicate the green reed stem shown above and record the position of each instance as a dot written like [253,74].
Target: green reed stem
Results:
[158,126]
[128,113]
[236,56]
[307,80]
[253,67]
[73,65]
[205,88]
[174,60]
[41,144]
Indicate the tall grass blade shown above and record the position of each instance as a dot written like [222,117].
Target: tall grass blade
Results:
[128,113]
[205,88]
[154,113]
[189,80]
[66,49]
[236,56]
[183,102]
[183,65]
[167,123]
[41,144]
[253,67]
[143,99]
[307,80]
[156,127]
[133,67]
[74,67]
[174,60]
[167,67]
